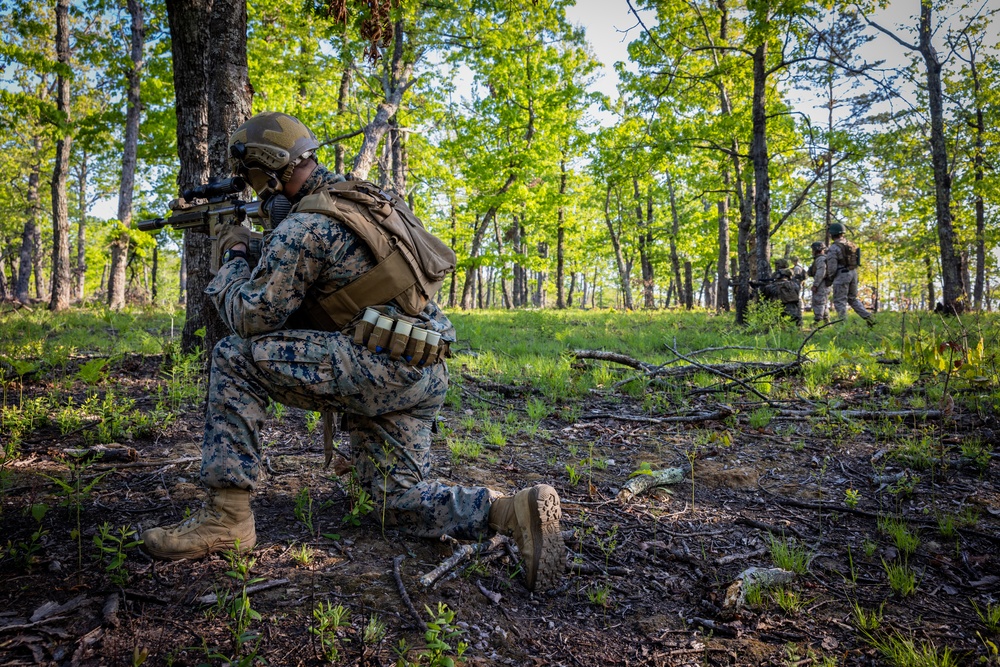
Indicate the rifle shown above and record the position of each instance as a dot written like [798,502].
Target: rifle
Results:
[207,207]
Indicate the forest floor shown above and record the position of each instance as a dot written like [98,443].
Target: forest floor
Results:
[872,484]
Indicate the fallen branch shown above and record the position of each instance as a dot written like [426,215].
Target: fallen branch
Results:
[866,414]
[681,419]
[492,596]
[212,598]
[723,374]
[463,552]
[506,390]
[403,594]
[779,531]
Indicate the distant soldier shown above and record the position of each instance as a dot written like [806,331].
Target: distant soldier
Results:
[842,260]
[798,272]
[783,288]
[820,290]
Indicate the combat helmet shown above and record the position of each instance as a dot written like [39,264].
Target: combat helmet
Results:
[266,149]
[780,263]
[836,229]
[817,247]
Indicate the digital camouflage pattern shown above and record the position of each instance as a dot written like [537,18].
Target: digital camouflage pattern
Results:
[820,290]
[845,283]
[391,405]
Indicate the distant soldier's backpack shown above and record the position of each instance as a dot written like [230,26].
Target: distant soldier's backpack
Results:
[412,262]
[851,254]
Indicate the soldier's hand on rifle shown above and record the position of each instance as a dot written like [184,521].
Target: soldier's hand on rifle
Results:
[232,242]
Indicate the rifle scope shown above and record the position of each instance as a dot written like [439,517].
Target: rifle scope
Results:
[216,188]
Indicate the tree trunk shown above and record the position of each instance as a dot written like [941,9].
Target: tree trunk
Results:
[29,250]
[758,154]
[182,279]
[675,231]
[454,242]
[156,272]
[62,284]
[931,301]
[345,88]
[722,280]
[120,243]
[623,272]
[561,240]
[208,41]
[978,169]
[80,272]
[505,289]
[395,83]
[644,224]
[953,296]
[688,286]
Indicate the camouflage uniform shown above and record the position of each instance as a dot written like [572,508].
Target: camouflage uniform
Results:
[820,290]
[391,406]
[845,283]
[784,289]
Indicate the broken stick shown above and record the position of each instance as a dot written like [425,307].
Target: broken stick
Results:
[463,552]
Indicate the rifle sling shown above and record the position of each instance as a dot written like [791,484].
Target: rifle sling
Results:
[390,278]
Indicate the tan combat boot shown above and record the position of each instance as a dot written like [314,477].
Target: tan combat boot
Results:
[225,518]
[531,517]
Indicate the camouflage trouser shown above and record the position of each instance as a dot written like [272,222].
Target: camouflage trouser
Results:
[845,292]
[793,310]
[821,301]
[390,405]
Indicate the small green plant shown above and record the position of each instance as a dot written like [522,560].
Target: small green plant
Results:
[977,453]
[304,509]
[241,614]
[75,492]
[968,517]
[464,448]
[494,435]
[312,420]
[901,651]
[754,594]
[113,546]
[600,596]
[440,631]
[851,498]
[573,474]
[869,547]
[327,620]
[23,553]
[374,631]
[761,417]
[278,411]
[303,555]
[93,372]
[790,554]
[902,578]
[905,540]
[537,409]
[360,500]
[867,621]
[790,602]
[989,615]
[947,527]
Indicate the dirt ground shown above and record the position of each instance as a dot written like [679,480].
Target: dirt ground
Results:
[646,577]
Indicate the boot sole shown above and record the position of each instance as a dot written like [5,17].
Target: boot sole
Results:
[542,540]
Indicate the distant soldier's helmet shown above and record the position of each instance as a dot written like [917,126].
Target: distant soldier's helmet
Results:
[836,229]
[266,149]
[795,260]
[780,263]
[817,247]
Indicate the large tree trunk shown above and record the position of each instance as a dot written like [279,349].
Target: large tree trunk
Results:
[623,269]
[675,230]
[758,154]
[345,88]
[644,223]
[62,284]
[120,242]
[208,41]
[477,242]
[931,301]
[22,286]
[953,296]
[722,280]
[978,170]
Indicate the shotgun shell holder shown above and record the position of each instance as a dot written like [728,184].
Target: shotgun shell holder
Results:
[363,332]
[431,348]
[415,346]
[400,336]
[379,340]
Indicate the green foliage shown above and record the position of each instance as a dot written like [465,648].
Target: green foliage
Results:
[112,546]
[327,620]
[304,508]
[902,579]
[790,554]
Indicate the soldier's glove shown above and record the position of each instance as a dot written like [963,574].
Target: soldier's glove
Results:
[229,236]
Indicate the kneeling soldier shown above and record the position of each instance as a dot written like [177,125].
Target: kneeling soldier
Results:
[288,346]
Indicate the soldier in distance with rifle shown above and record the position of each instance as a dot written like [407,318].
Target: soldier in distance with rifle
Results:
[842,261]
[784,288]
[820,290]
[336,316]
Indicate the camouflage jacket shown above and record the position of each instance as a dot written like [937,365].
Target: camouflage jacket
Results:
[304,251]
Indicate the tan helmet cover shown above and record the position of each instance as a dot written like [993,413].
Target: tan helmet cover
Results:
[272,141]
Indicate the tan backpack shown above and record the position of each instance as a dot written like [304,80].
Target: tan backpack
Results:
[851,254]
[412,262]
